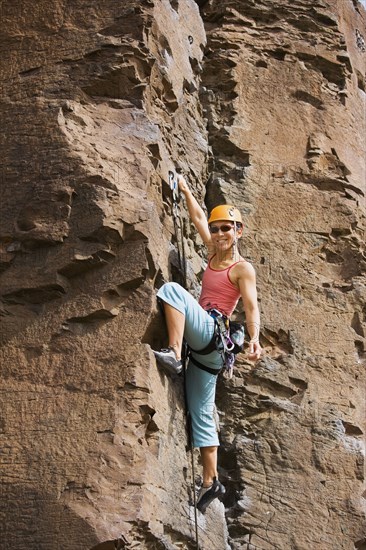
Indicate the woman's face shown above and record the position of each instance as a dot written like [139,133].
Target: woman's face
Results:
[223,235]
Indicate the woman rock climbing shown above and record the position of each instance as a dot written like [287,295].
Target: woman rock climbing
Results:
[227,278]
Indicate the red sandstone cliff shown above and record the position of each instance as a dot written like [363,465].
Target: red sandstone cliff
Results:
[261,104]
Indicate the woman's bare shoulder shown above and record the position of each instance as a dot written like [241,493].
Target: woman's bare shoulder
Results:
[244,269]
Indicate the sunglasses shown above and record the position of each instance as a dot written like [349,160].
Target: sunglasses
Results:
[224,228]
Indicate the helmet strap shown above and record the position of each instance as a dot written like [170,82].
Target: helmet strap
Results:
[235,242]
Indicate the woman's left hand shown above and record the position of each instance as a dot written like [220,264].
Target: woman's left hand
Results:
[255,350]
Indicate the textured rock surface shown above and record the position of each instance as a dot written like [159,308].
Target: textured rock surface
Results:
[259,104]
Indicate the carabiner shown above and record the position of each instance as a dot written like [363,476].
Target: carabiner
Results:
[229,344]
[173,186]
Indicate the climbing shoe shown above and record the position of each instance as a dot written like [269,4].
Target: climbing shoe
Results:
[208,494]
[167,359]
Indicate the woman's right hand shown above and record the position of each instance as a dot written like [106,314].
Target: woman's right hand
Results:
[182,184]
[196,213]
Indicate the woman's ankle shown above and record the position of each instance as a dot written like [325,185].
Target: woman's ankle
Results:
[207,484]
[176,350]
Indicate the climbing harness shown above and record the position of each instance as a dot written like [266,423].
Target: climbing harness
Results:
[179,237]
[227,339]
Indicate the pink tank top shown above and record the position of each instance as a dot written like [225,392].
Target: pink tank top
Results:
[218,292]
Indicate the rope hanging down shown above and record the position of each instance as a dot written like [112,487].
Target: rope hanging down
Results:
[179,237]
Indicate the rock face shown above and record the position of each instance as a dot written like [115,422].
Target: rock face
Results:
[261,105]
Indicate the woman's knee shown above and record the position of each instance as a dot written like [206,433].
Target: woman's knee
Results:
[209,449]
[171,287]
[170,291]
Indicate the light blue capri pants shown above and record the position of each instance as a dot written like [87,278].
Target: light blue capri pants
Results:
[200,385]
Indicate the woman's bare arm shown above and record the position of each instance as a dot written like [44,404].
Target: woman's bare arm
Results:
[248,290]
[196,213]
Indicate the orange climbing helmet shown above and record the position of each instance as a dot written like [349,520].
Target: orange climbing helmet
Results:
[225,212]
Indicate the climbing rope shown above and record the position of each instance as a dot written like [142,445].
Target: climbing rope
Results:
[179,237]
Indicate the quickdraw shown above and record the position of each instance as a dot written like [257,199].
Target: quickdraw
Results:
[178,227]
